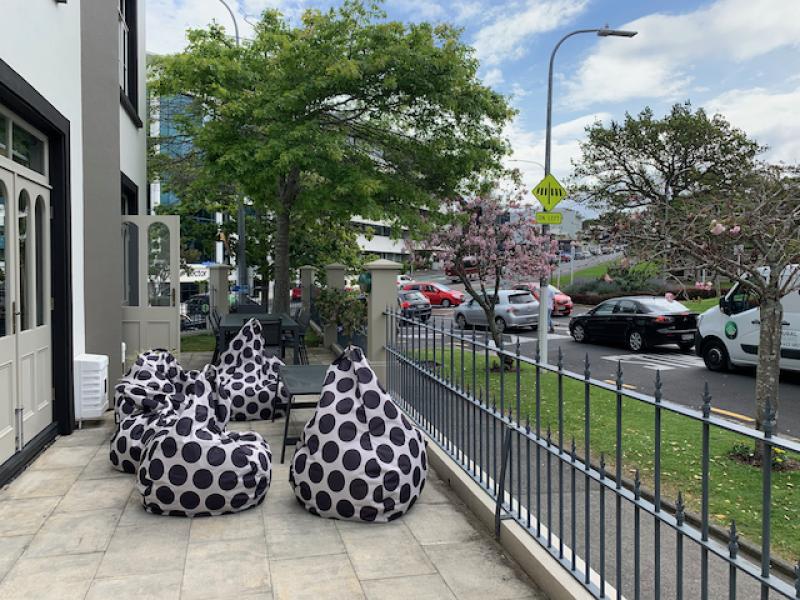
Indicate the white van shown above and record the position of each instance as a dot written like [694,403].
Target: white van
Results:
[728,334]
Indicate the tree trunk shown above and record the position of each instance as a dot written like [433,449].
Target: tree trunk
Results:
[769,347]
[281,291]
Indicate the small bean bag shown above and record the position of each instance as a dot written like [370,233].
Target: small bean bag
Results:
[249,374]
[194,468]
[148,384]
[359,458]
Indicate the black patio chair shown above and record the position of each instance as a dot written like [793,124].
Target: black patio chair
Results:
[250,309]
[219,342]
[273,337]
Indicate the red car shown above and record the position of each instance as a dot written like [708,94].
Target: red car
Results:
[562,304]
[470,269]
[297,293]
[436,293]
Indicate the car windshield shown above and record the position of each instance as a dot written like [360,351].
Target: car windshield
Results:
[662,305]
[441,286]
[555,290]
[412,296]
[524,298]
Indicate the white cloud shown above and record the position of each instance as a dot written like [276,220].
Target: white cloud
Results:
[493,77]
[770,118]
[505,37]
[464,11]
[420,10]
[658,63]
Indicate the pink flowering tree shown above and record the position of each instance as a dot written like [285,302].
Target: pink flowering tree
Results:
[752,235]
[480,235]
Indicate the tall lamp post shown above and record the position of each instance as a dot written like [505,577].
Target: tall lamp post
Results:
[241,228]
[544,284]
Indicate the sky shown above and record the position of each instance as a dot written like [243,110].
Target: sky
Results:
[739,58]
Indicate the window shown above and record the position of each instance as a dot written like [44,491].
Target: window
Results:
[5,298]
[626,307]
[130,264]
[128,72]
[744,298]
[41,246]
[158,267]
[3,136]
[22,234]
[606,308]
[27,149]
[520,299]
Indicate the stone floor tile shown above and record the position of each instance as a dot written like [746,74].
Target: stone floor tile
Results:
[39,484]
[73,533]
[436,491]
[439,524]
[226,568]
[89,494]
[477,570]
[100,467]
[160,545]
[280,499]
[380,550]
[330,577]
[248,523]
[64,577]
[11,548]
[295,535]
[145,586]
[64,457]
[96,434]
[25,516]
[419,587]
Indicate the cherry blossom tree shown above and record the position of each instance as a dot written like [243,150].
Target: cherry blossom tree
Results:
[752,235]
[485,233]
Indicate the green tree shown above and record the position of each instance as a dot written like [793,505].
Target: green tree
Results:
[347,113]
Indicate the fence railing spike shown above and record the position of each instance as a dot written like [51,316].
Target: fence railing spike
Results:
[706,401]
[733,540]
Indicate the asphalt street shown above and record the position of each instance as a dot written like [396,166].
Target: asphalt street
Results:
[683,374]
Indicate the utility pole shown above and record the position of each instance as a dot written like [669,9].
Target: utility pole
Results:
[544,283]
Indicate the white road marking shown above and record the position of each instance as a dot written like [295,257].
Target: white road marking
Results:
[658,362]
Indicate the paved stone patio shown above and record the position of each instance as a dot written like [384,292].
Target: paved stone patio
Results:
[72,527]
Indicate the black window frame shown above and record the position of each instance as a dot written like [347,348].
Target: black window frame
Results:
[129,99]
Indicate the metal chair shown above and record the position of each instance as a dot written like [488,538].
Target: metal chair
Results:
[273,337]
[219,345]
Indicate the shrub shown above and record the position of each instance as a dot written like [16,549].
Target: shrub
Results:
[345,308]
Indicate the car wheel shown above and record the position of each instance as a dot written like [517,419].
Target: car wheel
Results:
[500,324]
[461,321]
[715,355]
[636,341]
[685,346]
[579,334]
[445,303]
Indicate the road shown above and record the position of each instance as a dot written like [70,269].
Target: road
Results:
[683,374]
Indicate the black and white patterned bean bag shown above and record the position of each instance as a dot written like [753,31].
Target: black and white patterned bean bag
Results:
[194,468]
[249,374]
[132,436]
[359,458]
[149,383]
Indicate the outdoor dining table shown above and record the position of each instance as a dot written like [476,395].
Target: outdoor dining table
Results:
[300,380]
[231,323]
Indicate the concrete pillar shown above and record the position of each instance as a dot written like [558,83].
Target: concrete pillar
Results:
[306,286]
[384,293]
[334,279]
[218,288]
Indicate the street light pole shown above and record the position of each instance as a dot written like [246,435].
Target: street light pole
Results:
[241,228]
[544,283]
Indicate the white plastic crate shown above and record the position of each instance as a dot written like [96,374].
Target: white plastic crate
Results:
[91,386]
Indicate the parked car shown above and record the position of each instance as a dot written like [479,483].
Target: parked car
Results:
[638,321]
[414,305]
[565,257]
[582,254]
[437,293]
[403,279]
[297,294]
[515,308]
[470,268]
[562,304]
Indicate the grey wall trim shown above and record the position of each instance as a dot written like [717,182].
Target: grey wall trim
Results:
[101,183]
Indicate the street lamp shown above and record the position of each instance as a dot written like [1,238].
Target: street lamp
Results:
[544,283]
[241,231]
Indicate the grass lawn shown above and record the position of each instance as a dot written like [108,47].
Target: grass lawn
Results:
[203,342]
[735,489]
[593,272]
[700,305]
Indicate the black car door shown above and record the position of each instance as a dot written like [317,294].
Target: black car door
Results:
[622,319]
[600,321]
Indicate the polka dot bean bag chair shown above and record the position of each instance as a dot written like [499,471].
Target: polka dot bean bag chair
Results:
[359,458]
[194,468]
[132,436]
[148,384]
[249,374]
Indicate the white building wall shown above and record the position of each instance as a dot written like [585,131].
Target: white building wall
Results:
[41,41]
[132,139]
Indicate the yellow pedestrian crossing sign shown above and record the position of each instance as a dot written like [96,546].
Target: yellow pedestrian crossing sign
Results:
[549,192]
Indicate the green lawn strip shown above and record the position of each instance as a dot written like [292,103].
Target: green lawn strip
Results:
[203,342]
[701,305]
[735,489]
[593,272]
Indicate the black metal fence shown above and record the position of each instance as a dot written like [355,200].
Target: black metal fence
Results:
[608,517]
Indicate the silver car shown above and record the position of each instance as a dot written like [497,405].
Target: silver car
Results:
[515,308]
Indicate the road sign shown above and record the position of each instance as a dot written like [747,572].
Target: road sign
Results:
[549,192]
[548,218]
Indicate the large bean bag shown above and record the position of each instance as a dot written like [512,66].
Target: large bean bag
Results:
[132,436]
[359,458]
[152,379]
[194,468]
[249,374]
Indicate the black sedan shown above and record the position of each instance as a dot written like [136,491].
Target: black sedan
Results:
[414,305]
[638,322]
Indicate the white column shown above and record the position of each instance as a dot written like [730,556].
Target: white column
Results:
[384,293]
[218,288]
[306,286]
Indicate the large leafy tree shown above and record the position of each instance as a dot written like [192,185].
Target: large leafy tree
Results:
[346,113]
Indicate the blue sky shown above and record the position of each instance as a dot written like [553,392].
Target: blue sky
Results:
[737,57]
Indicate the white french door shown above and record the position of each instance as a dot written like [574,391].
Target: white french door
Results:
[151,284]
[26,385]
